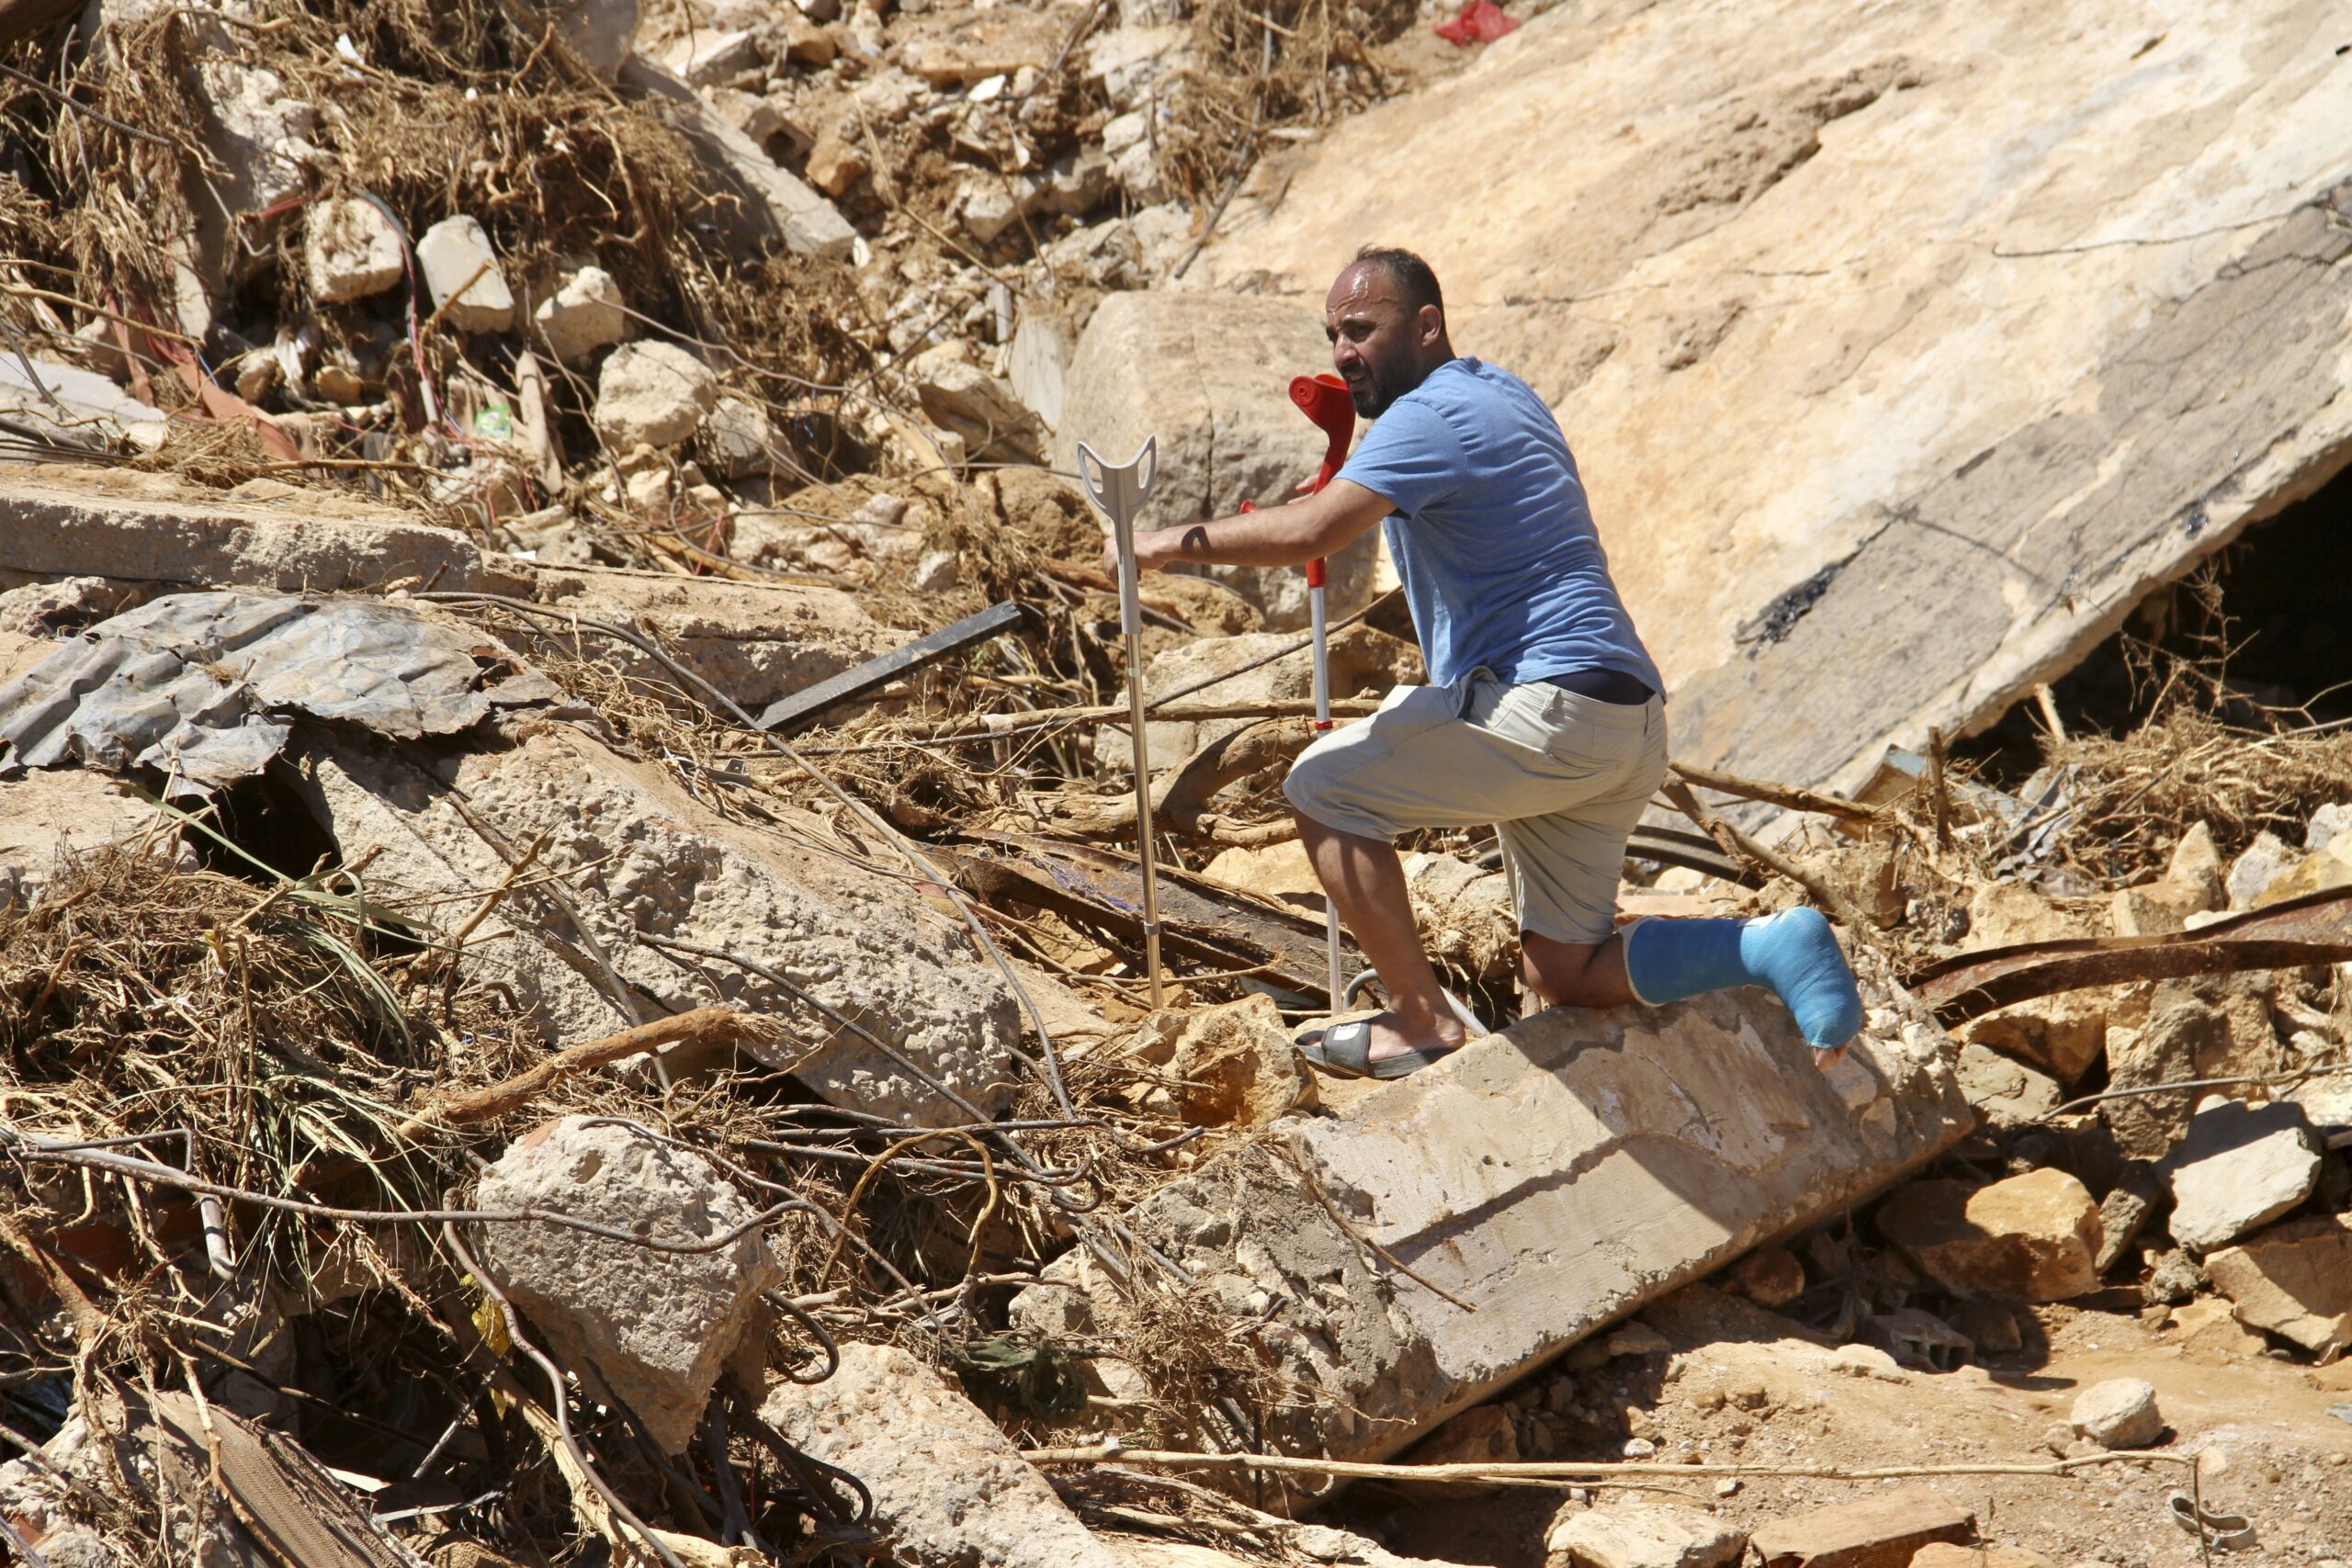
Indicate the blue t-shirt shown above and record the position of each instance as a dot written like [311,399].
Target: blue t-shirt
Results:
[1491,535]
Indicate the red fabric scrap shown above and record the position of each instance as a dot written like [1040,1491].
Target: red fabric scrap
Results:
[1479,21]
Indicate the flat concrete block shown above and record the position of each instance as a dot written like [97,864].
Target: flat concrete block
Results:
[1874,1532]
[1554,1177]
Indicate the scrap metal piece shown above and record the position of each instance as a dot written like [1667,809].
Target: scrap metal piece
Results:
[204,687]
[860,679]
[2313,930]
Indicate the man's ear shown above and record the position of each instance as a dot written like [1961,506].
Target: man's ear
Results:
[1429,324]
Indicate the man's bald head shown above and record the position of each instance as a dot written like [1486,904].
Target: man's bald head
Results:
[1386,322]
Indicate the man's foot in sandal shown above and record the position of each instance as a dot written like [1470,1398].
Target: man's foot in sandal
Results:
[1386,1045]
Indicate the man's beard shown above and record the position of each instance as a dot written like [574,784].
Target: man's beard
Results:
[1369,396]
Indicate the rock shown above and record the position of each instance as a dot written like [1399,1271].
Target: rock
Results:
[2327,824]
[2007,1093]
[952,49]
[75,407]
[2060,1036]
[737,440]
[2239,1167]
[2257,867]
[2120,1215]
[1566,1124]
[960,397]
[949,1489]
[835,164]
[1641,1535]
[657,1328]
[1037,362]
[2180,1029]
[2308,875]
[2294,1281]
[1989,1325]
[2031,1237]
[1771,1277]
[2212,1327]
[55,607]
[584,314]
[1735,547]
[710,58]
[2196,867]
[2118,1413]
[452,251]
[765,204]
[1130,62]
[1871,1532]
[1223,437]
[47,819]
[2173,1278]
[652,394]
[2327,1105]
[1236,1066]
[600,33]
[350,251]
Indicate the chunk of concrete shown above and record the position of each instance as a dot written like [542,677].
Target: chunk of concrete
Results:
[1554,1176]
[2007,1093]
[1943,1554]
[585,313]
[2032,1237]
[1771,1277]
[1641,1535]
[842,957]
[708,57]
[656,1328]
[652,394]
[1223,437]
[2294,1281]
[958,396]
[48,819]
[461,277]
[350,251]
[2239,1167]
[2257,865]
[2118,1414]
[2180,1029]
[950,1491]
[1870,1532]
[1235,1066]
[144,529]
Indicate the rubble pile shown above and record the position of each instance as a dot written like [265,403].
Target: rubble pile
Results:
[572,969]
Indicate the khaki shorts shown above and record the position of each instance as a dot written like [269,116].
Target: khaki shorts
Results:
[1563,778]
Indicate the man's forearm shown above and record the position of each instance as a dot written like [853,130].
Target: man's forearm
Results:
[1253,538]
[1279,535]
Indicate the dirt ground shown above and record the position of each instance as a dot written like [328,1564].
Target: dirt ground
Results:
[1744,1386]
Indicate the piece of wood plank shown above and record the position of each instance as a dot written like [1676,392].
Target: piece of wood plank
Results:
[858,679]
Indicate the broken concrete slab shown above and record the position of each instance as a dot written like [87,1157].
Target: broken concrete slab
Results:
[949,1489]
[768,204]
[2294,1281]
[2032,1237]
[2239,1167]
[767,920]
[2103,346]
[755,641]
[1871,1532]
[1554,1176]
[656,1328]
[48,819]
[140,528]
[1224,438]
[2007,1093]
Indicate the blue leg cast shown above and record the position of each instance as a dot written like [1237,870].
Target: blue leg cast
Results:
[1794,953]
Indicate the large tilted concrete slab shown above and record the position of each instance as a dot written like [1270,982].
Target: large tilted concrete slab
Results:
[1904,347]
[1553,1177]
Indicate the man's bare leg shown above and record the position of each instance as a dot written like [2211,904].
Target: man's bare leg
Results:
[1365,881]
[1576,974]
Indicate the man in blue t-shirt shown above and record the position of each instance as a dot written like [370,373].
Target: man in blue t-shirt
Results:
[1543,714]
